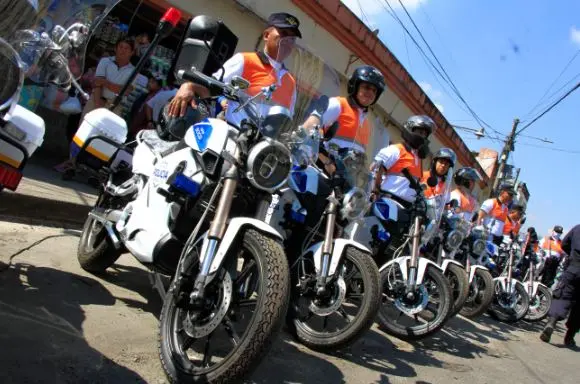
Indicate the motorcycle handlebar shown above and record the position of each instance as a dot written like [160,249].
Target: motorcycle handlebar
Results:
[214,86]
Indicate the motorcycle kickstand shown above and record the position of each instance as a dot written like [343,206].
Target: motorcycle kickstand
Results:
[157,283]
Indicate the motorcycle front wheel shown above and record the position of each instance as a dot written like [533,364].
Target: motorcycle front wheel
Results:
[480,295]
[419,316]
[459,284]
[539,305]
[225,338]
[327,325]
[506,308]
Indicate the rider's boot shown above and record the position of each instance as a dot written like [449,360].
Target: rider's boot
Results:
[548,330]
[569,339]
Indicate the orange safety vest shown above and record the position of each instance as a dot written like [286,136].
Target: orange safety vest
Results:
[406,160]
[467,203]
[260,74]
[432,191]
[498,211]
[510,228]
[554,245]
[349,124]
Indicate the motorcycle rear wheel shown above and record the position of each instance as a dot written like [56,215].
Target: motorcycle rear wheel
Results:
[96,251]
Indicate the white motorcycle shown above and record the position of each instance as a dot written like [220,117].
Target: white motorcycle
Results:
[43,58]
[417,298]
[192,209]
[335,282]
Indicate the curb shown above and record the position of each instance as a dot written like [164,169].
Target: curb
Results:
[27,209]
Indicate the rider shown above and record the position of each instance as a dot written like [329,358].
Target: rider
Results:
[493,212]
[392,160]
[552,248]
[466,204]
[365,86]
[259,68]
[444,159]
[512,224]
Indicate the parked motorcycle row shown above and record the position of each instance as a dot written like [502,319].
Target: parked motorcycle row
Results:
[252,234]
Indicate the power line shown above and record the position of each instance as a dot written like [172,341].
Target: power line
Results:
[553,83]
[550,148]
[550,99]
[550,107]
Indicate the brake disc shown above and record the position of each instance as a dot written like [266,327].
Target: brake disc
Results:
[335,302]
[417,306]
[203,327]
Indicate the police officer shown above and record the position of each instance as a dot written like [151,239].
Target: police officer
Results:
[259,68]
[365,86]
[494,212]
[566,296]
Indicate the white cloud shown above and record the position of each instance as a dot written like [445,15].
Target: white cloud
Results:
[575,35]
[433,94]
[440,107]
[371,8]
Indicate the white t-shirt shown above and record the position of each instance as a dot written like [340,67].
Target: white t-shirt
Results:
[332,114]
[157,102]
[396,184]
[108,69]
[494,226]
[235,67]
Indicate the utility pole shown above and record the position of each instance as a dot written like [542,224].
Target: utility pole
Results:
[507,148]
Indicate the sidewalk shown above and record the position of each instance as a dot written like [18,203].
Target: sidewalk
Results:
[43,196]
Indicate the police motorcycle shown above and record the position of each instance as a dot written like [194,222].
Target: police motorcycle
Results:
[450,231]
[417,298]
[510,300]
[192,209]
[540,294]
[42,58]
[473,254]
[335,282]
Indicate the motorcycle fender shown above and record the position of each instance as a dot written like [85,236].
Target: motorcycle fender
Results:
[503,282]
[236,226]
[404,261]
[472,271]
[446,263]
[535,286]
[360,232]
[339,246]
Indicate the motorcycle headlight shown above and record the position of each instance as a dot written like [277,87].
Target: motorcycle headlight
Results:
[268,165]
[354,204]
[454,239]
[478,247]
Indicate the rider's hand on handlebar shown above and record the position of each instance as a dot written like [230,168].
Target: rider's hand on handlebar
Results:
[183,97]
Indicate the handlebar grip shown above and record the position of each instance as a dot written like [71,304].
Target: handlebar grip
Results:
[214,86]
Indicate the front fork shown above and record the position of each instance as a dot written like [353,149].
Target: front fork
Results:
[331,212]
[510,272]
[416,236]
[216,232]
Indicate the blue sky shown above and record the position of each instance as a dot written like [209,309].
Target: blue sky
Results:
[502,56]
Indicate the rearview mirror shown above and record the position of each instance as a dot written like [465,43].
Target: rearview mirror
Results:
[321,105]
[240,82]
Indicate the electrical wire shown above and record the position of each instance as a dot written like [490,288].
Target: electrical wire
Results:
[550,148]
[549,108]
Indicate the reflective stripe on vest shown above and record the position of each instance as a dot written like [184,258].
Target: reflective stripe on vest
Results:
[406,160]
[437,190]
[261,75]
[350,127]
[552,245]
[467,204]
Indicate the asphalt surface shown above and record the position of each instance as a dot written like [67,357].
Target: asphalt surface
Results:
[61,325]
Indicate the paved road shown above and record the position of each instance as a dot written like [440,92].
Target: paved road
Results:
[60,324]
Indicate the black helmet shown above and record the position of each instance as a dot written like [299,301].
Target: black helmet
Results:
[417,122]
[558,229]
[174,128]
[507,187]
[445,153]
[464,175]
[367,74]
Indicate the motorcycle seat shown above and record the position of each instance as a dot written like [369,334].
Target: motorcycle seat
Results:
[156,144]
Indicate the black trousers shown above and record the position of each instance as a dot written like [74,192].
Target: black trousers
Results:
[566,298]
